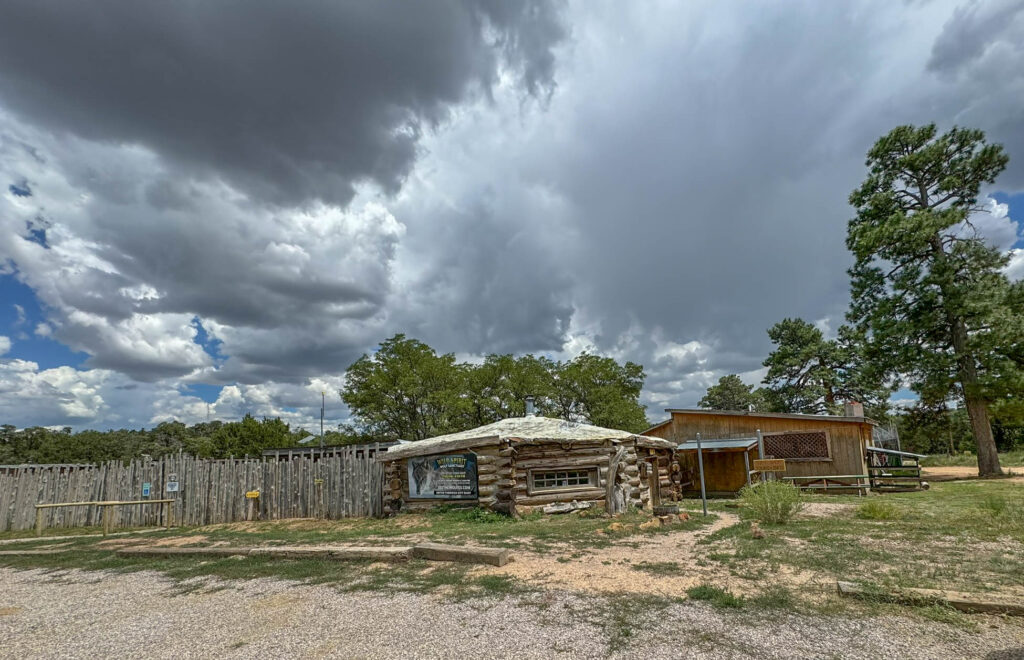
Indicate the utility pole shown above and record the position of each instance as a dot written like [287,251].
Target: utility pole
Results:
[323,404]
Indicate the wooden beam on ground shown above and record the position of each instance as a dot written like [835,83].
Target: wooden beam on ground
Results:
[965,602]
[442,552]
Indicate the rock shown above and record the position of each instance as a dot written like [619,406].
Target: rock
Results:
[567,507]
[651,524]
[756,531]
[665,520]
[684,516]
[600,532]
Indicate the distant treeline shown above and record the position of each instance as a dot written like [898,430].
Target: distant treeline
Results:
[250,436]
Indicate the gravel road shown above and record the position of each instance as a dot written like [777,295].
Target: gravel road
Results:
[74,614]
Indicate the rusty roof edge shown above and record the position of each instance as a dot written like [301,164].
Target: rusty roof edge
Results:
[748,413]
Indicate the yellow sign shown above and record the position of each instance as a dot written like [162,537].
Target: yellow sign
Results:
[770,465]
[318,481]
[252,494]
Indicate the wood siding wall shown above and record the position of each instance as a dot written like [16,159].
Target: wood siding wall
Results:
[847,443]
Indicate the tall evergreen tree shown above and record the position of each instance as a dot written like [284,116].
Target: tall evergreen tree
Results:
[731,393]
[929,294]
[808,373]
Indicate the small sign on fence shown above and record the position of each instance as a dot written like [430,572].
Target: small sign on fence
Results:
[172,487]
[252,494]
[770,465]
[146,488]
[318,482]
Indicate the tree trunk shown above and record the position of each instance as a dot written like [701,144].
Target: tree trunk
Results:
[977,407]
[967,372]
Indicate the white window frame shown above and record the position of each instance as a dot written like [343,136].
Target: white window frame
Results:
[591,471]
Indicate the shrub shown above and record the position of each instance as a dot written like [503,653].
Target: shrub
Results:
[877,510]
[774,502]
[715,595]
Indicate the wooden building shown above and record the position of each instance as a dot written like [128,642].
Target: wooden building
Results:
[524,462]
[812,445]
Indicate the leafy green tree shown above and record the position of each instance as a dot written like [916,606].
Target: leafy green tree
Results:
[498,388]
[600,391]
[250,437]
[406,391]
[929,295]
[731,393]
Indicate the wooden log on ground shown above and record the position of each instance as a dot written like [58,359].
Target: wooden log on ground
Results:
[975,603]
[470,555]
[152,551]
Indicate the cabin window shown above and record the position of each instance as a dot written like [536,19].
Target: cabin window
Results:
[563,479]
[798,446]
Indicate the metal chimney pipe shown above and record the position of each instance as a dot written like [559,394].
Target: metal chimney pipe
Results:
[530,411]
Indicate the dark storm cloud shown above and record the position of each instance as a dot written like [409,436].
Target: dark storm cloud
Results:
[290,102]
[973,29]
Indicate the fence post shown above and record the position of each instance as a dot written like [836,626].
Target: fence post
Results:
[700,465]
[39,521]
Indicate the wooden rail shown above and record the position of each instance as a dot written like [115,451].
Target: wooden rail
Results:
[105,506]
[860,482]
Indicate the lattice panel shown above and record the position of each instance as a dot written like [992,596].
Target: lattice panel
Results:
[806,445]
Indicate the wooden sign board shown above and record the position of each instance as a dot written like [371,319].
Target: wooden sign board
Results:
[252,494]
[770,465]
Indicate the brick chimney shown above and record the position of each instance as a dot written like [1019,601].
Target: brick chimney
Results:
[853,409]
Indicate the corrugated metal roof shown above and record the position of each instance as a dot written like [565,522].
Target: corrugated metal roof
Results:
[748,413]
[727,443]
[880,450]
[520,428]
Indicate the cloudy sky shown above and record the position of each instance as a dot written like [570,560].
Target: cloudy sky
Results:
[214,208]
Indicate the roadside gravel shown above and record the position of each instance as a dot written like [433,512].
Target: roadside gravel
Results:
[76,614]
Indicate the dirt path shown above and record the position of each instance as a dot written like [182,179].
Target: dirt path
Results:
[615,569]
[958,472]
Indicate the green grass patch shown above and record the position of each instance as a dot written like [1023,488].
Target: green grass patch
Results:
[774,597]
[1013,458]
[877,509]
[717,596]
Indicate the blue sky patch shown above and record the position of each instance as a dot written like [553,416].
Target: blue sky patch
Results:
[20,313]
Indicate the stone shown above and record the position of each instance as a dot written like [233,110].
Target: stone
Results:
[756,531]
[651,524]
[684,516]
[616,527]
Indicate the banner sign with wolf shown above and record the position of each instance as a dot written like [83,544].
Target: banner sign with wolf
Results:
[444,476]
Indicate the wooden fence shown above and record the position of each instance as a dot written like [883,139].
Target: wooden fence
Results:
[347,484]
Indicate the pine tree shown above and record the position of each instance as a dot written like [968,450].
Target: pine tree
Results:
[929,295]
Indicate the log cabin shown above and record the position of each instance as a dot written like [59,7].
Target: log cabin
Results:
[521,463]
[829,446]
